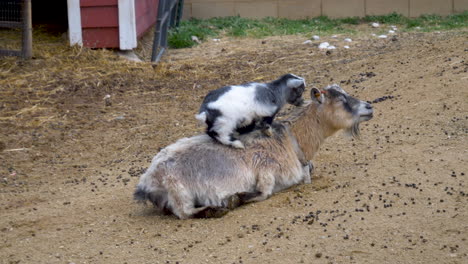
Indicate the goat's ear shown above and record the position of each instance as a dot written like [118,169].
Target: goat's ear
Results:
[316,95]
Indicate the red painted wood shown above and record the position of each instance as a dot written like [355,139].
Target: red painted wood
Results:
[101,37]
[99,3]
[146,12]
[92,17]
[100,21]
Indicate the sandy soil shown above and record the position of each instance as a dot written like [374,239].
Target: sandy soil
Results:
[69,163]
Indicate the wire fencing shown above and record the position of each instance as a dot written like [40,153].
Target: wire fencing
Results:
[15,28]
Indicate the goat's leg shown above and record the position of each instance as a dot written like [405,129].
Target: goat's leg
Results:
[265,125]
[308,169]
[180,201]
[265,186]
[211,212]
[224,129]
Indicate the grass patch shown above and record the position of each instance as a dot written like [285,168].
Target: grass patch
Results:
[181,37]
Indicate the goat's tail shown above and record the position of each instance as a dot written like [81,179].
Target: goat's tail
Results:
[157,197]
[201,117]
[141,194]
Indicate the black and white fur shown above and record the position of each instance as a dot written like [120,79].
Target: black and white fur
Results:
[234,107]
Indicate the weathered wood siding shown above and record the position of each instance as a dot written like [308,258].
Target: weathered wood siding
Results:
[146,15]
[100,22]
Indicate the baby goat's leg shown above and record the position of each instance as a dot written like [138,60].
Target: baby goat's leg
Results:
[265,125]
[224,129]
[308,169]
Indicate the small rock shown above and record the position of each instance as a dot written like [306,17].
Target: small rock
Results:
[195,39]
[120,118]
[331,47]
[107,100]
[307,41]
[216,40]
[324,45]
[373,35]
[383,36]
[334,36]
[391,31]
[315,37]
[348,40]
[375,25]
[129,55]
[346,47]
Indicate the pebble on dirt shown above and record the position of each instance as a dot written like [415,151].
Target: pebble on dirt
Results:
[107,100]
[324,45]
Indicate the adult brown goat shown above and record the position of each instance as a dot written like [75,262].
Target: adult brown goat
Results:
[199,177]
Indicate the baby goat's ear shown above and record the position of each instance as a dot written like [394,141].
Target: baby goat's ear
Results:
[295,82]
[316,95]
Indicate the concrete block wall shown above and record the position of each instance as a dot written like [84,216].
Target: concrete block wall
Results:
[297,9]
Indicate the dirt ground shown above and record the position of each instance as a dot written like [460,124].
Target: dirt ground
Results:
[69,163]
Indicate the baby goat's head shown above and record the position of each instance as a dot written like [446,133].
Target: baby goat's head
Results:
[295,87]
[342,111]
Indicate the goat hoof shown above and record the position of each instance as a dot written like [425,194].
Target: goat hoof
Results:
[311,167]
[212,212]
[237,144]
[268,132]
[233,202]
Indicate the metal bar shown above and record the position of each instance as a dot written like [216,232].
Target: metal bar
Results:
[181,12]
[167,18]
[157,31]
[27,30]
[158,58]
[10,53]
[11,24]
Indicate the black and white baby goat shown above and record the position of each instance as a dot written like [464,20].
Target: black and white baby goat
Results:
[232,108]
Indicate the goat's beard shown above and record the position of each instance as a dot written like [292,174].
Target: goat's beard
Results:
[353,131]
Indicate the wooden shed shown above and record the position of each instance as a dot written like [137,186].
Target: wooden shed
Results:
[110,23]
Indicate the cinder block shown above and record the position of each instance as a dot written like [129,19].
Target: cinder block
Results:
[257,9]
[299,9]
[212,9]
[460,6]
[340,8]
[207,1]
[186,11]
[384,7]
[425,7]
